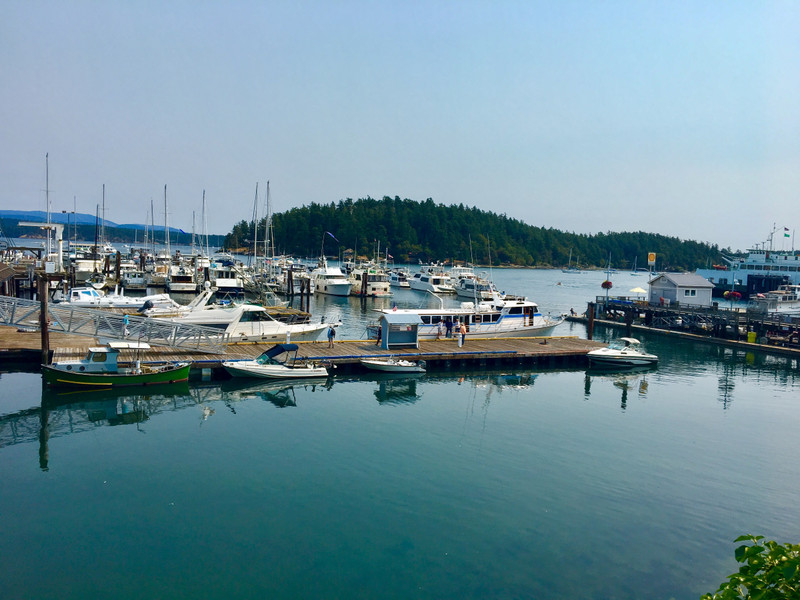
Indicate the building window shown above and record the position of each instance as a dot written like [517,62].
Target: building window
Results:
[689,293]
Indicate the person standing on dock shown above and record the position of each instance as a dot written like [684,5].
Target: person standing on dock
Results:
[448,323]
[463,331]
[331,335]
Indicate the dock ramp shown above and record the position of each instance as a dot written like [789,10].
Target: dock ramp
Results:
[99,323]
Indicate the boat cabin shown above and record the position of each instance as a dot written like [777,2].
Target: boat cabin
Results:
[102,359]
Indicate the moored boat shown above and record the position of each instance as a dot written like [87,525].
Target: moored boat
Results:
[626,352]
[101,369]
[269,366]
[393,365]
[330,280]
[502,316]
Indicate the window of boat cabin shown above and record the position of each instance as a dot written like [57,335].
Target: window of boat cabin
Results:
[515,310]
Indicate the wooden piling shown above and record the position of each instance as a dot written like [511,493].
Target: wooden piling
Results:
[590,319]
[43,324]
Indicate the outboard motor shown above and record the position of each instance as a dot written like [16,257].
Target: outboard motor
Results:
[147,304]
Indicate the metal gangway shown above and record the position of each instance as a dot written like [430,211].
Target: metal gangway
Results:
[99,323]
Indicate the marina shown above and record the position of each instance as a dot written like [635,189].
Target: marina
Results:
[498,443]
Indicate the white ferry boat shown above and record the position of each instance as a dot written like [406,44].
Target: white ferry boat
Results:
[502,316]
[759,271]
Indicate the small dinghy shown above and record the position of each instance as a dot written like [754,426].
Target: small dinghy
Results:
[624,354]
[393,365]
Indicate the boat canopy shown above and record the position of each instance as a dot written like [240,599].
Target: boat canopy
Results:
[280,349]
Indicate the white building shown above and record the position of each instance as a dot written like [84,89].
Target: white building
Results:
[689,289]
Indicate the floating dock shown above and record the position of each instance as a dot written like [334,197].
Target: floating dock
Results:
[545,352]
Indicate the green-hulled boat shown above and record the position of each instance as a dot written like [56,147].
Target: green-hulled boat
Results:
[100,369]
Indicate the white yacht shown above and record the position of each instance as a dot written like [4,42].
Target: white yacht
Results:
[502,316]
[369,280]
[433,280]
[330,280]
[89,297]
[399,278]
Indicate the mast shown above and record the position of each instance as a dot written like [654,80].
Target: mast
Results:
[268,218]
[205,224]
[103,219]
[47,199]
[255,230]
[166,227]
[152,227]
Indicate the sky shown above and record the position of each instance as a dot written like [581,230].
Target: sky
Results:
[679,118]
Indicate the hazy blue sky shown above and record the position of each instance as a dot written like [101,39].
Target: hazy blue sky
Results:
[681,118]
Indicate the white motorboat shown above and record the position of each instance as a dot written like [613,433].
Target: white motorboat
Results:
[399,278]
[248,322]
[269,366]
[502,316]
[330,280]
[393,365]
[431,281]
[625,352]
[89,297]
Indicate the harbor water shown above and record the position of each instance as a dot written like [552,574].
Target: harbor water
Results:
[494,483]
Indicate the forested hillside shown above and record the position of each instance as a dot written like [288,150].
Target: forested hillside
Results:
[424,231]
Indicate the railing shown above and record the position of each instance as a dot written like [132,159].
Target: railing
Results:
[92,322]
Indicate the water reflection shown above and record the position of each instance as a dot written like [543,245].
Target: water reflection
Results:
[64,412]
[626,380]
[280,393]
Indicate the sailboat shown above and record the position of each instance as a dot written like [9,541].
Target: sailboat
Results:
[570,268]
[634,272]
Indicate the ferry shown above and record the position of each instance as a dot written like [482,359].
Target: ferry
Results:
[760,271]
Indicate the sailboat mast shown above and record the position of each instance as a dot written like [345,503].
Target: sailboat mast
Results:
[166,227]
[205,223]
[255,230]
[268,216]
[103,219]
[47,199]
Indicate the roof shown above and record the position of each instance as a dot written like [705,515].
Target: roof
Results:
[685,280]
[398,317]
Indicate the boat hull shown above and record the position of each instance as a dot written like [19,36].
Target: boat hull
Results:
[600,358]
[55,376]
[392,366]
[254,369]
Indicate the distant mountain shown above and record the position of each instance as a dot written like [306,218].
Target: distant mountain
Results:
[70,218]
[114,232]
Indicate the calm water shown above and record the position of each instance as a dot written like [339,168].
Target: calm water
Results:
[492,484]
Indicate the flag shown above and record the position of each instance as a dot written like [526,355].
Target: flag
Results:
[330,234]
[786,232]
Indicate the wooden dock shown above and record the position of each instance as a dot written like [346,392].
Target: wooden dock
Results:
[547,352]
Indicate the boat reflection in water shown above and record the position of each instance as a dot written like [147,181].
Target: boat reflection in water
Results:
[396,388]
[623,378]
[281,393]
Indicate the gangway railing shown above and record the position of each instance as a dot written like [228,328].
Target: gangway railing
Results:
[93,322]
